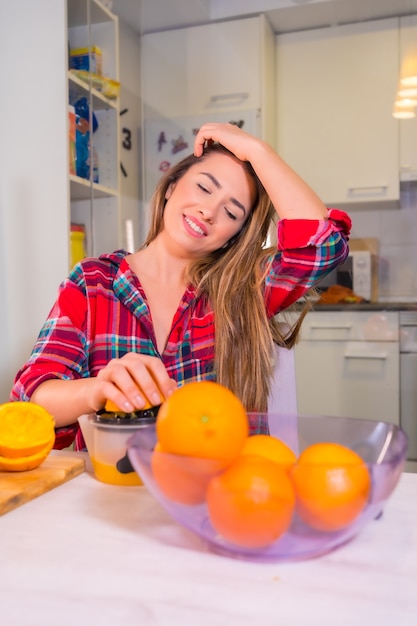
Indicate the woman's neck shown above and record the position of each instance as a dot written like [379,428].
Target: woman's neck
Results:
[158,264]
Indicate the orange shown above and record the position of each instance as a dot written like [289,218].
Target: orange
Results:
[271,448]
[25,429]
[24,463]
[203,419]
[180,478]
[332,485]
[111,407]
[251,503]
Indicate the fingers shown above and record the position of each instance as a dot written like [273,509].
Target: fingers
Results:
[135,382]
[207,134]
[229,135]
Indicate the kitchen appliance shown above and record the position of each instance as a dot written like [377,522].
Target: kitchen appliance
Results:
[106,439]
[356,273]
[408,379]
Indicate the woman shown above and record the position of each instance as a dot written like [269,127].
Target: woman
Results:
[198,300]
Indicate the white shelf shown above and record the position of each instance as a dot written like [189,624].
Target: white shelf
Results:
[83,189]
[97,205]
[78,87]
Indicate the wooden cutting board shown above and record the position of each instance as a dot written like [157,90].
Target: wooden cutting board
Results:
[16,488]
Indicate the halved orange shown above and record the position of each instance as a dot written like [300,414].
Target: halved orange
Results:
[24,463]
[111,407]
[26,429]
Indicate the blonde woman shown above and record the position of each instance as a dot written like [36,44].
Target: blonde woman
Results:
[199,300]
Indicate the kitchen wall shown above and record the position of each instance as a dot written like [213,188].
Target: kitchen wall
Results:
[396,231]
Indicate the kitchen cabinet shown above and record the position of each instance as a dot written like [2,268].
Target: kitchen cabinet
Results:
[205,69]
[96,203]
[335,92]
[408,127]
[347,364]
[222,71]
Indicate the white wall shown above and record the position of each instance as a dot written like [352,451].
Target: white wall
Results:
[33,165]
[397,234]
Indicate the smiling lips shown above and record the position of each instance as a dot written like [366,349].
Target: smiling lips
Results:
[194,227]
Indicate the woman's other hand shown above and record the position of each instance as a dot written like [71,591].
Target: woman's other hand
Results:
[240,143]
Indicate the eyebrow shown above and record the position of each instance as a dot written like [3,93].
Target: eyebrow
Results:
[218,185]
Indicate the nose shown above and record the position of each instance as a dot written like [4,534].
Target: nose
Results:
[207,214]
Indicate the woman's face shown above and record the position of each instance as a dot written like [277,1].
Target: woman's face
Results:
[208,205]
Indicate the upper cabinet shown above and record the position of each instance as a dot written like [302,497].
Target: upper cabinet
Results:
[203,69]
[335,93]
[408,127]
[217,72]
[93,74]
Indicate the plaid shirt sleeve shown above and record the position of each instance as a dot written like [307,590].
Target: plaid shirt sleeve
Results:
[307,251]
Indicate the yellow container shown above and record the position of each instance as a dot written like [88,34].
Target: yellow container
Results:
[77,239]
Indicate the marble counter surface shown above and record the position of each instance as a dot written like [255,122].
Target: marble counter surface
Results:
[96,554]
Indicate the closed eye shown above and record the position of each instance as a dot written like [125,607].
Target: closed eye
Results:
[229,214]
[203,188]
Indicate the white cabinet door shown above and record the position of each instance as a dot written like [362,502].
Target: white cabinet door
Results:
[408,128]
[335,92]
[347,364]
[201,70]
[352,379]
[224,62]
[222,72]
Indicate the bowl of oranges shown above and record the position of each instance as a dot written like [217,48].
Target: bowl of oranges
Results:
[266,486]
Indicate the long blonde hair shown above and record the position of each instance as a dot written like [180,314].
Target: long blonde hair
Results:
[232,279]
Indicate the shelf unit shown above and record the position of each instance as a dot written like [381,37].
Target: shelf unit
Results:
[97,205]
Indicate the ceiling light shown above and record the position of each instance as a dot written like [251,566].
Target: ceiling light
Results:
[406,103]
[407,92]
[409,81]
[404,112]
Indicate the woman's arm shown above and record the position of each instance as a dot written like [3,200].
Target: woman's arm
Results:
[128,382]
[290,194]
[72,371]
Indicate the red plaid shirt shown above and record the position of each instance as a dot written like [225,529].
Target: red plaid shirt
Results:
[101,312]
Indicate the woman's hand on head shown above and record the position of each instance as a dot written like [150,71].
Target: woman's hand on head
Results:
[239,142]
[132,381]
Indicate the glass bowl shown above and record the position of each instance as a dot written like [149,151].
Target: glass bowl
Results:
[381,445]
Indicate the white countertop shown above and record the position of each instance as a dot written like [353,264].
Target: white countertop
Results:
[96,554]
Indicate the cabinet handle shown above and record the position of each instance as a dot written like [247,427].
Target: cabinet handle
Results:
[368,190]
[229,96]
[345,326]
[371,355]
